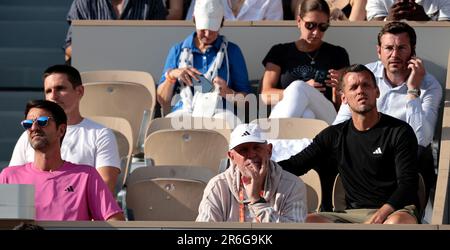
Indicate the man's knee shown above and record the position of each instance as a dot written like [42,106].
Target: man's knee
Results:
[401,218]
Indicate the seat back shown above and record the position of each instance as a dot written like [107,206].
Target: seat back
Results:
[189,122]
[165,193]
[339,202]
[291,128]
[118,99]
[127,76]
[313,190]
[164,199]
[190,147]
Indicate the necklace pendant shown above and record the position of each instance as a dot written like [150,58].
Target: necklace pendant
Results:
[313,62]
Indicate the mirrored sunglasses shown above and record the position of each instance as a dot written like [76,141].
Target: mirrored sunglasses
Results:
[312,25]
[41,122]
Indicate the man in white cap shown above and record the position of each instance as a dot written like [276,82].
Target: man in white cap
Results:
[254,188]
[204,54]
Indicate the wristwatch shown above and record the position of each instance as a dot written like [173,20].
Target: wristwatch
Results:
[414,92]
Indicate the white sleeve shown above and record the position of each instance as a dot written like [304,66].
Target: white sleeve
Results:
[378,8]
[444,10]
[190,11]
[107,153]
[343,115]
[19,155]
[422,113]
[274,10]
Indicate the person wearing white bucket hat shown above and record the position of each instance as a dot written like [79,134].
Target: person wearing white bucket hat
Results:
[253,188]
[204,55]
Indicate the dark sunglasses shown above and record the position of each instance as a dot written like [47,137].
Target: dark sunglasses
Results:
[41,121]
[312,25]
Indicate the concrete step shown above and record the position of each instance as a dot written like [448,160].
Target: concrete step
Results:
[33,13]
[30,57]
[33,34]
[35,2]
[21,77]
[12,107]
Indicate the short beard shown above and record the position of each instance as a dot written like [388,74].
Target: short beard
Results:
[364,110]
[39,145]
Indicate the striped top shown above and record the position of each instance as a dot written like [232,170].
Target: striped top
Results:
[103,10]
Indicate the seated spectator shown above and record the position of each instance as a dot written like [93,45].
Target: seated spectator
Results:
[340,10]
[253,188]
[396,10]
[85,142]
[351,10]
[300,77]
[111,10]
[374,153]
[63,190]
[248,10]
[407,91]
[205,55]
[177,9]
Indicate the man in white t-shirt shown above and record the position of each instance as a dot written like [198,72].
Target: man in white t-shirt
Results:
[85,142]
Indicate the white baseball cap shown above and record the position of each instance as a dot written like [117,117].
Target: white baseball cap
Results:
[208,14]
[244,133]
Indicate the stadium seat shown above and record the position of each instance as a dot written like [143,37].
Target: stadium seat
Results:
[189,147]
[291,128]
[313,190]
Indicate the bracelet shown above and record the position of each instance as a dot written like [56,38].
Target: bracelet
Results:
[168,77]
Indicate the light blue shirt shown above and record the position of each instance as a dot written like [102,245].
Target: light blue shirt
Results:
[420,113]
[235,61]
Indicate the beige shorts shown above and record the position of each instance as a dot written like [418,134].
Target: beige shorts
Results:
[362,215]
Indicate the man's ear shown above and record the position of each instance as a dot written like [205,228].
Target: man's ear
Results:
[80,90]
[230,155]
[343,99]
[298,20]
[62,130]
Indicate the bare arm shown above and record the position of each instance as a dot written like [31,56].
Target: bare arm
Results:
[176,10]
[269,94]
[165,90]
[109,175]
[117,217]
[358,10]
[68,53]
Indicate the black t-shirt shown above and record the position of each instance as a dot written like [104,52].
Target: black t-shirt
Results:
[296,65]
[377,166]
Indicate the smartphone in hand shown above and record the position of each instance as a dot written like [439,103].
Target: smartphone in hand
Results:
[203,85]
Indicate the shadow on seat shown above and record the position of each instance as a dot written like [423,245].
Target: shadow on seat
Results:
[170,193]
[313,190]
[188,147]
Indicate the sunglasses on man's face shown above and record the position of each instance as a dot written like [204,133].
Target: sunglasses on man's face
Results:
[41,122]
[312,25]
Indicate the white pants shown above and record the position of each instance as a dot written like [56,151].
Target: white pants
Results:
[302,100]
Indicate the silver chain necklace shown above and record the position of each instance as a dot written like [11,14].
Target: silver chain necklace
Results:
[313,61]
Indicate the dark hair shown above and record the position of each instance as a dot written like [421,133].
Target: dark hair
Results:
[28,226]
[72,73]
[356,68]
[57,113]
[398,28]
[313,5]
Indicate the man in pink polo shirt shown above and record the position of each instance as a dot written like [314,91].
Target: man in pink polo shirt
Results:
[63,190]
